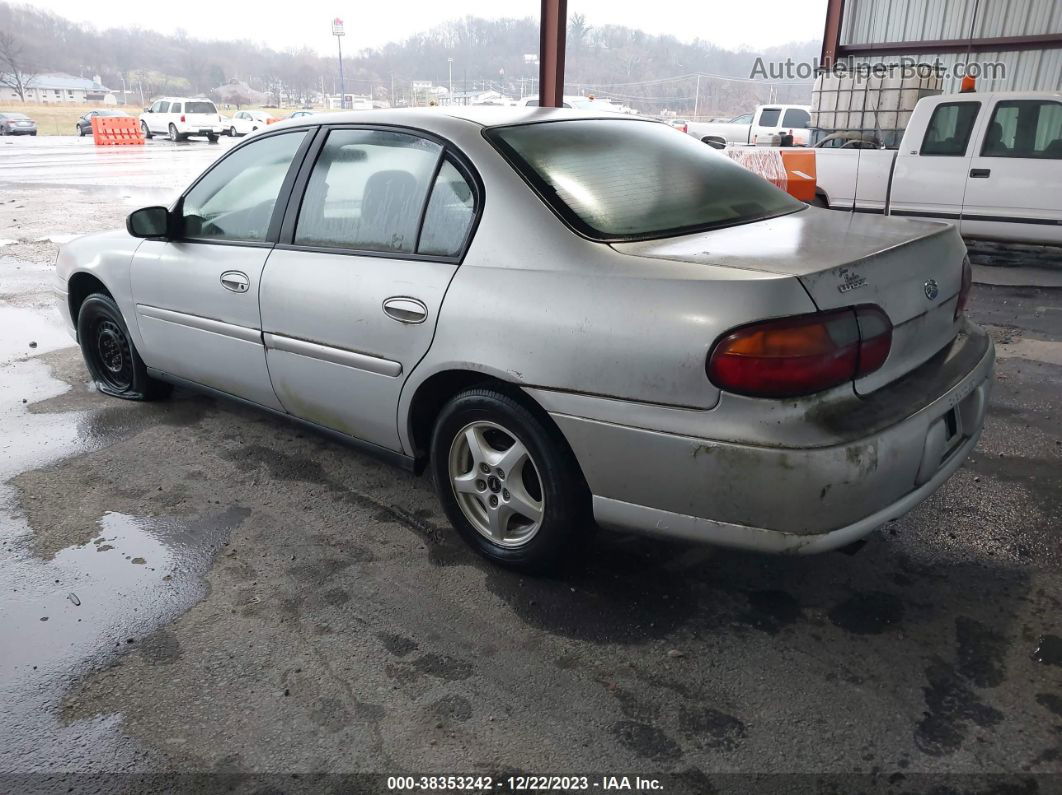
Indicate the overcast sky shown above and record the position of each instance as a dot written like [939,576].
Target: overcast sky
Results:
[760,23]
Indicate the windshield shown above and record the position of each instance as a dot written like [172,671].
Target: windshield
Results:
[630,180]
[199,107]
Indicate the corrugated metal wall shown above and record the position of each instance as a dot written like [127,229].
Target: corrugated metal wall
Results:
[880,21]
[1026,70]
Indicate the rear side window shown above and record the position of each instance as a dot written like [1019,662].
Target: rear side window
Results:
[949,129]
[175,107]
[634,180]
[769,117]
[796,117]
[235,199]
[367,190]
[200,107]
[449,214]
[1025,128]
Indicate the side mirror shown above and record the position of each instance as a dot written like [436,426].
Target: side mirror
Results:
[715,141]
[148,222]
[147,110]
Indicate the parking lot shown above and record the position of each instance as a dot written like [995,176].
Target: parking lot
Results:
[190,585]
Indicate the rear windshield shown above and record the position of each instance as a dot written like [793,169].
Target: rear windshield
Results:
[199,107]
[635,180]
[13,116]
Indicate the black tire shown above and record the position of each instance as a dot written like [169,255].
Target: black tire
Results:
[819,201]
[561,533]
[174,135]
[109,354]
[212,138]
[147,132]
[232,132]
[81,131]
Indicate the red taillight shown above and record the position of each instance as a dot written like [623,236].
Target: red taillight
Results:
[800,355]
[182,117]
[685,128]
[964,288]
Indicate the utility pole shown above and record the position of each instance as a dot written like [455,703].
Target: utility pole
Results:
[337,31]
[697,97]
[450,67]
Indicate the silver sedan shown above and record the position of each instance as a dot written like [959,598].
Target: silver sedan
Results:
[574,321]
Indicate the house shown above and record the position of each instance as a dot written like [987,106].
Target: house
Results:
[59,88]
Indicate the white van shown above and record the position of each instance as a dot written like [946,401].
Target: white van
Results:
[180,117]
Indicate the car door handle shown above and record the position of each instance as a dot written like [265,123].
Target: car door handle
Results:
[235,281]
[980,173]
[405,309]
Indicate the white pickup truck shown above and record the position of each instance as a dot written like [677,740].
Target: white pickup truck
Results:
[757,127]
[990,162]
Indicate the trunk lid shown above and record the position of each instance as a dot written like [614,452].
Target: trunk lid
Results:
[911,269]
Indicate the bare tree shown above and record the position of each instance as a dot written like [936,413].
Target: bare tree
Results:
[14,71]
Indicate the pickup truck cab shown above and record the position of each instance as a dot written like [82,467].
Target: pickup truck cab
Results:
[179,117]
[758,127]
[992,163]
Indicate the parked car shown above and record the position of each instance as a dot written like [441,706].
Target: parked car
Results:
[245,122]
[84,124]
[694,353]
[992,163]
[181,117]
[682,125]
[298,114]
[12,123]
[764,126]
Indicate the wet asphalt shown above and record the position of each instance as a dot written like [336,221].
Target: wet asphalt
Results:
[191,587]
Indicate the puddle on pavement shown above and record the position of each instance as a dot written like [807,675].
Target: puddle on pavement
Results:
[63,617]
[24,326]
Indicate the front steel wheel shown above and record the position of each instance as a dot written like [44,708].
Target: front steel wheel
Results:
[109,353]
[496,484]
[508,481]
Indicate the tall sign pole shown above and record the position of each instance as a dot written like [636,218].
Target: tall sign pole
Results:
[337,31]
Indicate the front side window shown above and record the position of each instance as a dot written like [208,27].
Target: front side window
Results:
[163,107]
[366,191]
[629,180]
[769,117]
[949,129]
[1025,128]
[235,200]
[449,214]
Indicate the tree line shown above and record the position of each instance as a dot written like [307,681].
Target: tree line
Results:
[648,72]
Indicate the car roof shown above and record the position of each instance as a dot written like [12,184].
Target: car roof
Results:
[473,115]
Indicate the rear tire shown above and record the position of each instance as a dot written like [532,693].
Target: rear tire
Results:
[109,354]
[508,482]
[174,135]
[232,132]
[81,131]
[212,138]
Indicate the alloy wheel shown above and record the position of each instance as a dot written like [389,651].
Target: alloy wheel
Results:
[496,484]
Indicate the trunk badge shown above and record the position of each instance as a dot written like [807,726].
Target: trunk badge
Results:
[852,281]
[932,291]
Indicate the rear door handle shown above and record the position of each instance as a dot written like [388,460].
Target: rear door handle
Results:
[235,281]
[405,309]
[980,173]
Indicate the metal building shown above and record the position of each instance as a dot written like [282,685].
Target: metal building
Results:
[1023,36]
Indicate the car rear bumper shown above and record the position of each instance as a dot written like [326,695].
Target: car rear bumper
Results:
[21,131]
[791,499]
